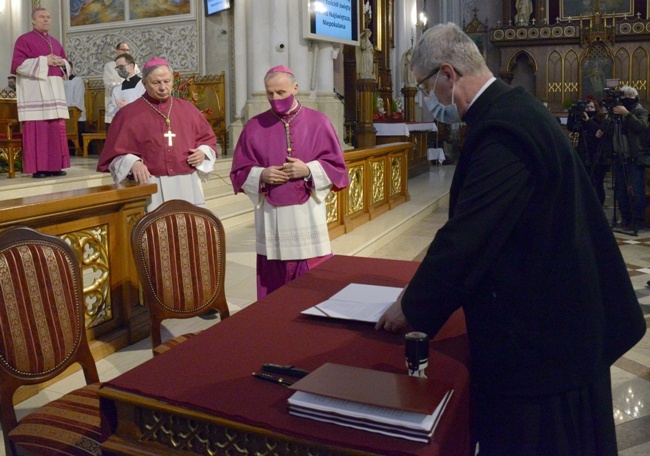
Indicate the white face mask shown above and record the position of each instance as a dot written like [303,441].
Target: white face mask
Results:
[446,114]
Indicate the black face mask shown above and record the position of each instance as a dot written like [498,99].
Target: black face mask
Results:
[590,114]
[628,102]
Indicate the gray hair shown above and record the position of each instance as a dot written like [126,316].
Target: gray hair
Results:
[627,90]
[447,43]
[148,71]
[272,75]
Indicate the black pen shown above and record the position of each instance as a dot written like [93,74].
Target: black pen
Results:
[271,378]
[285,370]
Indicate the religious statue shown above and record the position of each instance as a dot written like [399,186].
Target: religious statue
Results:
[366,56]
[524,10]
[407,76]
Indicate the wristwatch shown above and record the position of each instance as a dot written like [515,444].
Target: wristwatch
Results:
[307,178]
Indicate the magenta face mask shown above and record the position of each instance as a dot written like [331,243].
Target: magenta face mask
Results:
[282,106]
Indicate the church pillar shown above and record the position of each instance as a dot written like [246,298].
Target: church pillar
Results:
[409,103]
[298,52]
[259,41]
[238,79]
[366,133]
[325,73]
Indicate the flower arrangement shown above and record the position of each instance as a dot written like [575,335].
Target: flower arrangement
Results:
[379,112]
[398,109]
[181,89]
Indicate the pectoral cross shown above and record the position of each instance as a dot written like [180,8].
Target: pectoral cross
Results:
[169,135]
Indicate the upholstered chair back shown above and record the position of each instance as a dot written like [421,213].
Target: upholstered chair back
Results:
[42,329]
[180,255]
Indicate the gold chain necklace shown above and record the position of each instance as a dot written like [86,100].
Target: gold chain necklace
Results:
[169,135]
[287,124]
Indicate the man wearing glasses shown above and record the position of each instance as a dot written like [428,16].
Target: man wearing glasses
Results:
[112,79]
[527,252]
[131,88]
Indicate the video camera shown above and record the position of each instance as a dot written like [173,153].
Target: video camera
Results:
[612,98]
[577,108]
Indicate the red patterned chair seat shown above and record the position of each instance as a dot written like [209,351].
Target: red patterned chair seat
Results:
[67,426]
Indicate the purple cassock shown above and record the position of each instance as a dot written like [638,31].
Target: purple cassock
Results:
[40,104]
[265,141]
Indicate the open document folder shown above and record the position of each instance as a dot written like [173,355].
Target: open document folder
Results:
[357,302]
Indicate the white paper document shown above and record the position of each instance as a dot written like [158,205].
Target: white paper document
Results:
[357,302]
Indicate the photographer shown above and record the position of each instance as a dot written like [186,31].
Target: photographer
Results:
[630,122]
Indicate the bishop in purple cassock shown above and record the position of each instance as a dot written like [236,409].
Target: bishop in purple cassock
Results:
[287,160]
[161,139]
[40,64]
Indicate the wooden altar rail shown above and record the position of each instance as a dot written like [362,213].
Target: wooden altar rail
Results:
[97,222]
[378,183]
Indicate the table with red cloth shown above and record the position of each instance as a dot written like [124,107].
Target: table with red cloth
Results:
[201,397]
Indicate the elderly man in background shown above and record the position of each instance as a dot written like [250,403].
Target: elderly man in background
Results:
[40,64]
[287,160]
[528,254]
[161,139]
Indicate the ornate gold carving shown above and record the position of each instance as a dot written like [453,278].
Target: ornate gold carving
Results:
[91,248]
[355,191]
[203,438]
[332,207]
[378,179]
[395,176]
[4,153]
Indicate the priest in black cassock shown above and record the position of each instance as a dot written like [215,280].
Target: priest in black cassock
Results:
[528,254]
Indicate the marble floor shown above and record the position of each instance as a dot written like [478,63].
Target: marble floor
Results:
[404,233]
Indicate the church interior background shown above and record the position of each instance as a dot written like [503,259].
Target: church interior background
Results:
[559,50]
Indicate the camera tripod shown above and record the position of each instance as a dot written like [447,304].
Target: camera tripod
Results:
[620,162]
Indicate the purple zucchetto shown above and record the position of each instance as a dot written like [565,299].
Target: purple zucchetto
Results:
[279,69]
[156,61]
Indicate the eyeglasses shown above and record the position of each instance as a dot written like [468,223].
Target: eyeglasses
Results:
[121,67]
[435,71]
[124,49]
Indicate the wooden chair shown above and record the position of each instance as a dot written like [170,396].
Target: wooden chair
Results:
[180,255]
[42,334]
[72,128]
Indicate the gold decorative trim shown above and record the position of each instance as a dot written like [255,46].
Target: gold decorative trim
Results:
[355,191]
[332,207]
[395,176]
[197,437]
[378,186]
[91,248]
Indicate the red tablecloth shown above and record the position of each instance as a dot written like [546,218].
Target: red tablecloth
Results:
[212,371]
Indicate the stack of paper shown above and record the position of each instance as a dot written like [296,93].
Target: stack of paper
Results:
[357,302]
[374,401]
